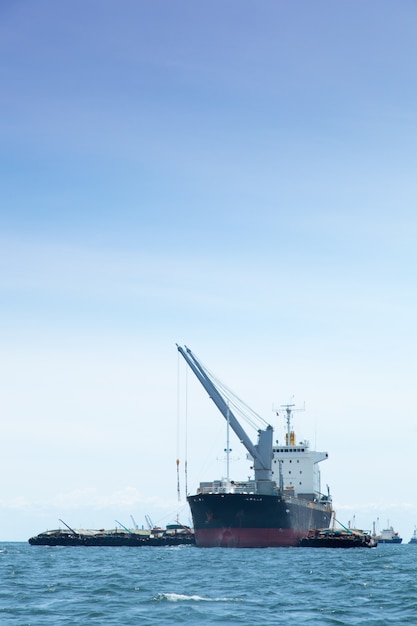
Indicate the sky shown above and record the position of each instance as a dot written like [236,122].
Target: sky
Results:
[238,177]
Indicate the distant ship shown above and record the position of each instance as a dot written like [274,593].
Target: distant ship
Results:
[279,505]
[388,535]
[414,537]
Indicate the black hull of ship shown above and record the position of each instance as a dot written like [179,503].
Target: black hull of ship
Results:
[254,521]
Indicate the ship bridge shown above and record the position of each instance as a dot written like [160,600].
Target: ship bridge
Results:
[295,468]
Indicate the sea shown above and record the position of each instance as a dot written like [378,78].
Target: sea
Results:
[154,586]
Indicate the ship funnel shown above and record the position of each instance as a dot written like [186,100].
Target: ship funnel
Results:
[291,438]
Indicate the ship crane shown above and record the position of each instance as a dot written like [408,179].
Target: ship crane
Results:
[261,452]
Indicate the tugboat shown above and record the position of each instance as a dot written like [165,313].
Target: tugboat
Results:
[280,504]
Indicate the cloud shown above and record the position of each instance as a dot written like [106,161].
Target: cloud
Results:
[91,499]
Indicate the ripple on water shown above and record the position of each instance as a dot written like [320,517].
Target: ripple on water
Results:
[125,586]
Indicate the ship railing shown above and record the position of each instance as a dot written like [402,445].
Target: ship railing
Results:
[222,487]
[313,503]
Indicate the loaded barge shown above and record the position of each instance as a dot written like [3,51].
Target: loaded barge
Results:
[172,535]
[338,538]
[280,504]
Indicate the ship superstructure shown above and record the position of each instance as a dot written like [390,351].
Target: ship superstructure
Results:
[295,466]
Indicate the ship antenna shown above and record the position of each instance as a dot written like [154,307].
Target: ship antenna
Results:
[228,445]
[288,409]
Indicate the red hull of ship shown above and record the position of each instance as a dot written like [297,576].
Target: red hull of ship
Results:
[247,537]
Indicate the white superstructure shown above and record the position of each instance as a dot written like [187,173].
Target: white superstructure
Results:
[295,467]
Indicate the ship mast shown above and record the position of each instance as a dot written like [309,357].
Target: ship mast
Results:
[288,409]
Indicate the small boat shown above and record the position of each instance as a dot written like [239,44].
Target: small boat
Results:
[338,538]
[414,537]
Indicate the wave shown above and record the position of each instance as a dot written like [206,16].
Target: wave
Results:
[181,597]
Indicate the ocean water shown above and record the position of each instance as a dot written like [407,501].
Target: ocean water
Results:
[42,585]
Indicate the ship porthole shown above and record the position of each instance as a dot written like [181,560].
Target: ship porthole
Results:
[287,510]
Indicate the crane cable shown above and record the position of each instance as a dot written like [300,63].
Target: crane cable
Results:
[245,411]
[178,430]
[186,432]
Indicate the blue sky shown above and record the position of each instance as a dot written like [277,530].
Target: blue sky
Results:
[239,177]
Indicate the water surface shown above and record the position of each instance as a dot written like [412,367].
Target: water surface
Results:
[122,586]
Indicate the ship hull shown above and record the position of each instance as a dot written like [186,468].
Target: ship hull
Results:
[254,521]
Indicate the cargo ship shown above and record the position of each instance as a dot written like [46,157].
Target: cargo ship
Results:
[283,500]
[388,535]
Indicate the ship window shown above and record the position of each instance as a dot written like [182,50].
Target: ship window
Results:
[300,472]
[289,472]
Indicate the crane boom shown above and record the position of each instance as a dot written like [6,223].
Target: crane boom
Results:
[262,451]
